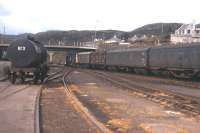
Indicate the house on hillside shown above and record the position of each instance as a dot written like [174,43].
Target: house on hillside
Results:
[187,33]
[113,40]
[133,39]
[139,38]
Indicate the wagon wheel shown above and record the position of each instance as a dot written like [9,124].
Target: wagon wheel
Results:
[22,77]
[183,75]
[35,78]
[13,78]
[43,74]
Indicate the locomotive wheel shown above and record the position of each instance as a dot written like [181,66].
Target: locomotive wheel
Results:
[13,78]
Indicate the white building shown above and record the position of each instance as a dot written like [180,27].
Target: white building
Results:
[139,38]
[113,40]
[134,38]
[187,33]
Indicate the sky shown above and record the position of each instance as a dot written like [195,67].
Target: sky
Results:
[32,16]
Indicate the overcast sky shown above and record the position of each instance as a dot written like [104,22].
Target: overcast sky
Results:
[21,16]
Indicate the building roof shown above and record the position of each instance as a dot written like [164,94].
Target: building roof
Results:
[113,40]
[185,26]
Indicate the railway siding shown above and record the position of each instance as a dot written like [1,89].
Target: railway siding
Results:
[173,97]
[123,111]
[58,113]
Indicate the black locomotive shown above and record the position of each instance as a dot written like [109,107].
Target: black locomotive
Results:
[182,61]
[29,59]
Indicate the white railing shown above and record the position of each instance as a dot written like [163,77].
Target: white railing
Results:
[66,45]
[79,45]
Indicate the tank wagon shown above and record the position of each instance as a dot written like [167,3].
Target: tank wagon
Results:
[181,61]
[28,58]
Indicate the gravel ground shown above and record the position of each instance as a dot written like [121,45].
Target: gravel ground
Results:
[58,113]
[124,111]
[185,88]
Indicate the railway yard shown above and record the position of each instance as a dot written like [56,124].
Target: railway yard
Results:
[87,101]
[66,71]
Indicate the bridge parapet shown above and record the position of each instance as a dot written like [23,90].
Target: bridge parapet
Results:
[64,47]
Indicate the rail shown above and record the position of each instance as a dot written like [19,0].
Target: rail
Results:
[185,103]
[83,109]
[37,112]
[55,75]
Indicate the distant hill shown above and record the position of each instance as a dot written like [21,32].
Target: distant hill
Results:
[67,36]
[156,29]
[198,25]
[76,36]
[88,35]
[10,38]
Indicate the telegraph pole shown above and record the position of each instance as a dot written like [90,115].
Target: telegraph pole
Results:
[0,36]
[4,29]
[4,32]
[95,34]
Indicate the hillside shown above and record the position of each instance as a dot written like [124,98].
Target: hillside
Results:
[76,36]
[72,36]
[156,29]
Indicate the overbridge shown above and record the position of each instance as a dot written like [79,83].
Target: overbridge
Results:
[70,50]
[77,48]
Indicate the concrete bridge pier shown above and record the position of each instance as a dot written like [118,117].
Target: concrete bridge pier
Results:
[57,57]
[51,54]
[3,53]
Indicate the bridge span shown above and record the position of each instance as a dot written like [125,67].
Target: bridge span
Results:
[78,48]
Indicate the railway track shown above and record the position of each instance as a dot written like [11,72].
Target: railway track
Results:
[55,75]
[4,78]
[186,104]
[61,92]
[9,93]
[4,88]
[101,127]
